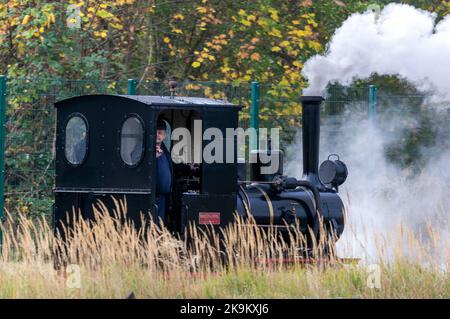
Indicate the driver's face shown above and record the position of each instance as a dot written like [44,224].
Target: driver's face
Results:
[160,136]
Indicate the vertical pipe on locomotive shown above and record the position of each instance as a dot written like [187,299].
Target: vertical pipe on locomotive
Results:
[311,137]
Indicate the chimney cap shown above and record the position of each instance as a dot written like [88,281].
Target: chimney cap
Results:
[309,98]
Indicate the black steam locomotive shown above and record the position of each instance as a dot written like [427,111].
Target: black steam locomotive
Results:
[105,150]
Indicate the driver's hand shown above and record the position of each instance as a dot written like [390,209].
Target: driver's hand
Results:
[159,151]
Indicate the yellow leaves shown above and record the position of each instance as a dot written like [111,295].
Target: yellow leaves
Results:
[178,17]
[202,56]
[284,44]
[263,22]
[294,76]
[275,32]
[112,85]
[208,92]
[202,10]
[166,40]
[225,69]
[276,49]
[315,45]
[104,14]
[177,31]
[284,82]
[313,23]
[298,64]
[122,2]
[50,19]
[117,26]
[246,23]
[13,22]
[274,14]
[26,19]
[295,22]
[101,34]
[150,9]
[20,48]
[293,52]
[251,18]
[72,21]
[310,19]
[246,19]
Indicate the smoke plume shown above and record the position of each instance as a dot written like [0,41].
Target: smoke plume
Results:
[402,41]
[382,195]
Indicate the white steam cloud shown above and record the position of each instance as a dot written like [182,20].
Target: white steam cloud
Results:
[381,196]
[402,41]
[407,42]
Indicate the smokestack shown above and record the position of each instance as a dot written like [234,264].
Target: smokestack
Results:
[311,135]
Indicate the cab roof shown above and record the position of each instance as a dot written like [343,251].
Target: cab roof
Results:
[178,101]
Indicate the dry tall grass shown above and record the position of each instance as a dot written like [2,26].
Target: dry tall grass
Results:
[115,259]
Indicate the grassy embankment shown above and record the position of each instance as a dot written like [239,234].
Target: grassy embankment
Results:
[115,260]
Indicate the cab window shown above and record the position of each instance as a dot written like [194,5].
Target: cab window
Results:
[76,140]
[132,141]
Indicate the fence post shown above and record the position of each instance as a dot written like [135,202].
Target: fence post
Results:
[254,116]
[132,86]
[373,101]
[2,148]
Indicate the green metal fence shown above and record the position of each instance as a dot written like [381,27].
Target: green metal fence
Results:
[29,121]
[2,146]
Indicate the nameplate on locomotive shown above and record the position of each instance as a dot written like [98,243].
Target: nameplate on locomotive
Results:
[209,218]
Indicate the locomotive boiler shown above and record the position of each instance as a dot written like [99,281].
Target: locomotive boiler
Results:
[312,202]
[105,151]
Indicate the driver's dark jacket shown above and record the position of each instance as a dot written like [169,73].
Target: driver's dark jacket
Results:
[164,176]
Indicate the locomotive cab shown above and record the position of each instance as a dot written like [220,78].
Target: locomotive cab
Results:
[106,151]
